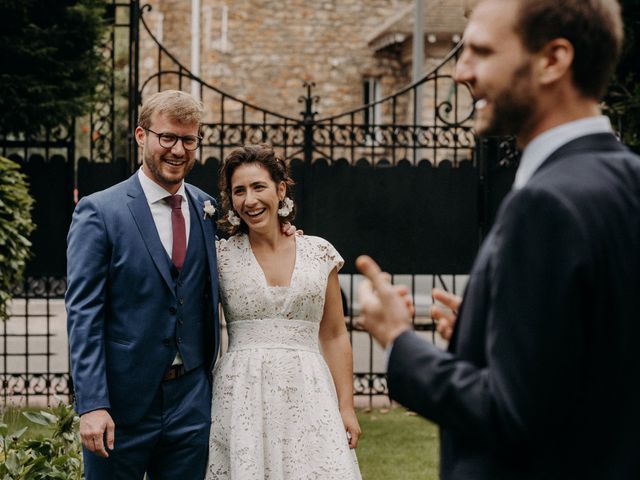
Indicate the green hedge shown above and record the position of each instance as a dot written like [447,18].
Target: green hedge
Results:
[15,227]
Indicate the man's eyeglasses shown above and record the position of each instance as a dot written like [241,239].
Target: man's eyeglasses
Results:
[168,140]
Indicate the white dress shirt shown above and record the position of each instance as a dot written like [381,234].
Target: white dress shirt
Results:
[541,147]
[161,213]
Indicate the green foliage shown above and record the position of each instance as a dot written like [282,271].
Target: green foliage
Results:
[15,227]
[622,102]
[50,61]
[56,456]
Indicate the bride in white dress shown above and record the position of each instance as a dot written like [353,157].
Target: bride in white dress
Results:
[282,393]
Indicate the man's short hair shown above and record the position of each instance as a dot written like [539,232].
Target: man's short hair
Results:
[177,105]
[594,28]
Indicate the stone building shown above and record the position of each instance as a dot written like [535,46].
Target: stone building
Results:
[261,51]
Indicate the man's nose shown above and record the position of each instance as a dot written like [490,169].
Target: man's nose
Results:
[462,72]
[178,149]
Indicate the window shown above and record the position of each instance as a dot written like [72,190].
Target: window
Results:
[371,93]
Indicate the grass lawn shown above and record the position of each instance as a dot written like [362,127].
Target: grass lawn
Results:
[397,444]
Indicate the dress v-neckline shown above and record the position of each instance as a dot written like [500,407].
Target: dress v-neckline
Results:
[261,271]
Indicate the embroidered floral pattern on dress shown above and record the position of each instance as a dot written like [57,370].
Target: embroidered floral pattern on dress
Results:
[275,412]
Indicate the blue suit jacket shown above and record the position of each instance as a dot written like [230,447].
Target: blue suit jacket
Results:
[542,380]
[121,301]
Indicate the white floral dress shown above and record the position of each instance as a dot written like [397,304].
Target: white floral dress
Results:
[275,410]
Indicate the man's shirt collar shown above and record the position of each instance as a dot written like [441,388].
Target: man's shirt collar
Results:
[541,147]
[155,192]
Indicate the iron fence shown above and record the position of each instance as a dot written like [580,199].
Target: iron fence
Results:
[33,354]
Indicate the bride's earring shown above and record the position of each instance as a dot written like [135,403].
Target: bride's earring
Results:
[232,218]
[285,206]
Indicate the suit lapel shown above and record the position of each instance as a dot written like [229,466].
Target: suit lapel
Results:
[209,240]
[206,225]
[142,215]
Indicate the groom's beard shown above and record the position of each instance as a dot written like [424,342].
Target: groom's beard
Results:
[156,163]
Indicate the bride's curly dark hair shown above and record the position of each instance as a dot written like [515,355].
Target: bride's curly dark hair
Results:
[264,155]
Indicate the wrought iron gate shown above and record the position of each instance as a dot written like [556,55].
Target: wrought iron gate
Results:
[416,190]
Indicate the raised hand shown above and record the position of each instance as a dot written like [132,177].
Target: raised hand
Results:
[445,315]
[384,312]
[93,427]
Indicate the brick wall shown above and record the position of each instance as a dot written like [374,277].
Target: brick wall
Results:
[275,45]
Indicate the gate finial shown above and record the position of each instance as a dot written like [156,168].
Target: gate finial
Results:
[309,100]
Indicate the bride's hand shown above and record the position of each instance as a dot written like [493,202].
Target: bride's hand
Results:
[352,426]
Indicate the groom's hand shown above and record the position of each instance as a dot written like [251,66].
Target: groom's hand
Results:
[290,229]
[93,427]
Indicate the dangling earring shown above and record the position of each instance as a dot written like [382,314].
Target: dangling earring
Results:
[286,206]
[232,218]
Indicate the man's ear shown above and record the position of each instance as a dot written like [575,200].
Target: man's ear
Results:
[555,60]
[141,136]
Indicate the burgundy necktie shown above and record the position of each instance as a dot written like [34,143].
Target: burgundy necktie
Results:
[179,247]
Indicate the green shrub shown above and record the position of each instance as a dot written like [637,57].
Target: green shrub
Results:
[51,62]
[56,456]
[15,228]
[622,102]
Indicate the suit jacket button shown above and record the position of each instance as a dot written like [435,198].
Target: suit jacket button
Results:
[173,310]
[179,340]
[166,342]
[181,301]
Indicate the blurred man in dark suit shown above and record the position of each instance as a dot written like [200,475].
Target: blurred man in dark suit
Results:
[542,376]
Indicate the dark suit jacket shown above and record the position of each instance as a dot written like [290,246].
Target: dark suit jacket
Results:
[121,295]
[542,377]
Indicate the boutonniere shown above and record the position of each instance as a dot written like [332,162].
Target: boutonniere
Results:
[208,209]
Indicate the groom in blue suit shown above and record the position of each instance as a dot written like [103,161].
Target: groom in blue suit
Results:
[142,307]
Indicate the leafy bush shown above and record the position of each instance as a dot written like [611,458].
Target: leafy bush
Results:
[622,102]
[15,228]
[50,61]
[58,456]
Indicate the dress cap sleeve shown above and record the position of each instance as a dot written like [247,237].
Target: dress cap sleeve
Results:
[329,255]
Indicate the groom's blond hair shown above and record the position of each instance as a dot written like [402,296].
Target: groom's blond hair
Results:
[177,105]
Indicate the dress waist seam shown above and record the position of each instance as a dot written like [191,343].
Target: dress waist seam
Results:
[256,346]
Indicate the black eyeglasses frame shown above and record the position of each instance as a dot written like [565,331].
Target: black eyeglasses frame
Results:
[176,138]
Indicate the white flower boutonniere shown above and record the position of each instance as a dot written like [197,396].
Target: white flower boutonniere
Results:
[208,209]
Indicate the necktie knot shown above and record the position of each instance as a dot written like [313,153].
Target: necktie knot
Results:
[174,201]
